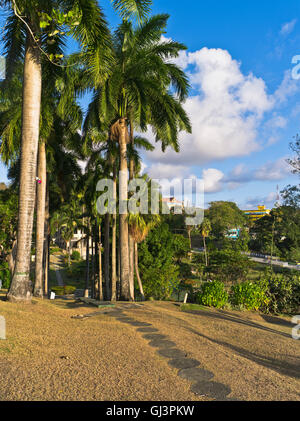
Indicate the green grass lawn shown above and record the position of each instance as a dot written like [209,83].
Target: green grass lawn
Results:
[193,307]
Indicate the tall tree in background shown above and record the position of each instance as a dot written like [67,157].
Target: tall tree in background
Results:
[144,90]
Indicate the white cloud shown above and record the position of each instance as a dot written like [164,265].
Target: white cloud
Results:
[212,180]
[273,171]
[288,27]
[225,112]
[268,201]
[287,88]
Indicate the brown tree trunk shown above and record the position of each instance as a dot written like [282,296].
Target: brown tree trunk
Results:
[114,243]
[205,252]
[93,267]
[123,196]
[100,281]
[137,272]
[131,241]
[12,258]
[40,221]
[47,240]
[87,274]
[107,255]
[21,286]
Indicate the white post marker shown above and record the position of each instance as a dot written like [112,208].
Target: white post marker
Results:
[52,296]
[2,328]
[296,329]
[185,298]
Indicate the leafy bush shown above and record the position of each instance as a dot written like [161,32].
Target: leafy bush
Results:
[54,250]
[229,265]
[212,294]
[65,290]
[5,275]
[283,292]
[181,247]
[251,296]
[159,284]
[156,262]
[76,256]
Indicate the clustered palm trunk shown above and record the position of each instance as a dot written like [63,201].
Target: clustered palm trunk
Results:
[21,287]
[40,221]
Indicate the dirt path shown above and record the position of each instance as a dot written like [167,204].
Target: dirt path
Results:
[57,264]
[48,355]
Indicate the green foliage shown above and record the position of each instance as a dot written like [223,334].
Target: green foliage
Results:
[8,218]
[181,247]
[65,290]
[279,231]
[5,275]
[156,254]
[160,283]
[212,294]
[54,250]
[283,292]
[76,255]
[249,295]
[229,265]
[224,216]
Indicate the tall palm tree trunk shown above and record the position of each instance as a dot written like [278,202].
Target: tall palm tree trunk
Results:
[100,281]
[107,255]
[123,195]
[205,251]
[114,243]
[47,239]
[21,287]
[87,274]
[40,220]
[137,272]
[131,241]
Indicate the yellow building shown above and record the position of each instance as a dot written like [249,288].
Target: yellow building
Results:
[257,214]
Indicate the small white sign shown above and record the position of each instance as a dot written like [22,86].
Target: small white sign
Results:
[2,328]
[52,295]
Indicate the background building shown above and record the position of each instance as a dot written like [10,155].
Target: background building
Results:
[257,214]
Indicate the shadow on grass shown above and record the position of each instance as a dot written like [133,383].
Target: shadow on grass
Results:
[223,315]
[286,368]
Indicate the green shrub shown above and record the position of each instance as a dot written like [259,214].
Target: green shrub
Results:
[229,265]
[65,290]
[160,283]
[283,293]
[76,255]
[251,296]
[54,250]
[212,294]
[5,275]
[156,262]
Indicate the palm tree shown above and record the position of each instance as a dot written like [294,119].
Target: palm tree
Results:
[27,30]
[138,92]
[139,227]
[205,229]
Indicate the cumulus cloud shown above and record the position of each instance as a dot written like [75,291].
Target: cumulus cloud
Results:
[215,180]
[271,171]
[212,179]
[225,111]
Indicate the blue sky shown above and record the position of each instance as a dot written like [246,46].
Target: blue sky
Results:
[244,104]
